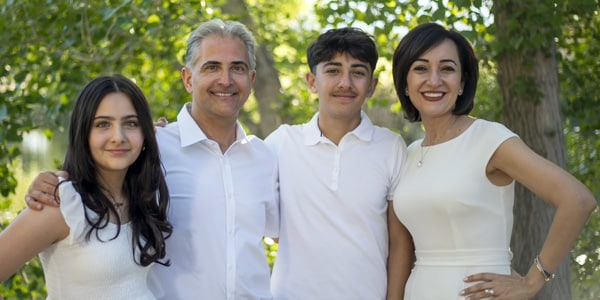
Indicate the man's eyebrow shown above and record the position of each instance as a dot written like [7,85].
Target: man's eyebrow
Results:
[241,62]
[211,63]
[218,63]
[332,63]
[338,64]
[361,65]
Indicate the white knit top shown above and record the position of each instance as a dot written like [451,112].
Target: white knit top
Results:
[78,269]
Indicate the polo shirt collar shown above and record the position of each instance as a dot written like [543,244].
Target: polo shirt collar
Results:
[190,133]
[312,132]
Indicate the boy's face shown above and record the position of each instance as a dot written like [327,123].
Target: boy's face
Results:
[342,84]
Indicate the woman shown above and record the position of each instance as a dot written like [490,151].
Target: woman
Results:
[457,191]
[111,224]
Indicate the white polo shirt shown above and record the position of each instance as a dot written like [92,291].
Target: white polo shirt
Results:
[221,207]
[333,241]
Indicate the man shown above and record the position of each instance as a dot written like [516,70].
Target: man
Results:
[222,183]
[337,175]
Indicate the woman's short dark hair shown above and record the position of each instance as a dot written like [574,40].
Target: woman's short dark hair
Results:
[144,183]
[418,41]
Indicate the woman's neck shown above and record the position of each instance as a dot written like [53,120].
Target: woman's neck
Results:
[444,129]
[112,186]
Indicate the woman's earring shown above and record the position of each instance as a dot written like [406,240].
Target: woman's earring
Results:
[406,91]
[460,92]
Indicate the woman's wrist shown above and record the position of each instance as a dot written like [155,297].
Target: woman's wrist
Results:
[538,265]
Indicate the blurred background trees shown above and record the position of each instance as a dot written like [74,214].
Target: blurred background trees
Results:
[539,64]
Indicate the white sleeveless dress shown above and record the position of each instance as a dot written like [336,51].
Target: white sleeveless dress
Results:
[460,222]
[78,269]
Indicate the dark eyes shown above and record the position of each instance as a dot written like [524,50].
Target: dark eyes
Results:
[445,69]
[132,124]
[107,124]
[102,124]
[235,68]
[358,73]
[238,68]
[210,68]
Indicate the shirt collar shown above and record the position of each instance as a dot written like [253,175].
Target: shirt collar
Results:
[313,135]
[190,133]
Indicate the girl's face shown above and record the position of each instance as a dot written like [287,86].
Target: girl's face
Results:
[116,138]
[434,80]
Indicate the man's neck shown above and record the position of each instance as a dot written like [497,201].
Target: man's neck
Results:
[221,130]
[336,129]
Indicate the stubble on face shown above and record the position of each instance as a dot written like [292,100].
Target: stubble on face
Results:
[220,80]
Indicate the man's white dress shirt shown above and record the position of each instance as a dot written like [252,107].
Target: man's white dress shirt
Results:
[222,204]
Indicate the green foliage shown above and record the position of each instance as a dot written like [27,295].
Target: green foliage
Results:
[27,283]
[526,31]
[282,29]
[580,69]
[9,153]
[271,249]
[47,57]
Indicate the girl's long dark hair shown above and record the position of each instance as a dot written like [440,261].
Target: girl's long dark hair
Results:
[144,183]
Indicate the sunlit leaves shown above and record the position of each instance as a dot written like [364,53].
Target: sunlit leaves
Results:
[580,69]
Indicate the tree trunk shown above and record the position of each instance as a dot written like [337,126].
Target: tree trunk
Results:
[267,87]
[267,91]
[528,79]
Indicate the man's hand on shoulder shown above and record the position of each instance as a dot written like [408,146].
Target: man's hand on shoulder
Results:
[42,190]
[161,122]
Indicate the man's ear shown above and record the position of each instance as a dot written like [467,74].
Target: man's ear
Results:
[186,77]
[310,81]
[372,87]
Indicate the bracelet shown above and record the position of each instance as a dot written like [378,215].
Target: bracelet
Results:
[547,275]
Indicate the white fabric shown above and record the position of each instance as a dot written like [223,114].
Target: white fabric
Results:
[460,222]
[221,207]
[78,269]
[333,239]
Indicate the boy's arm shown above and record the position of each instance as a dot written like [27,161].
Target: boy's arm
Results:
[401,255]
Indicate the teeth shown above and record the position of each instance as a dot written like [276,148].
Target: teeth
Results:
[433,95]
[224,94]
